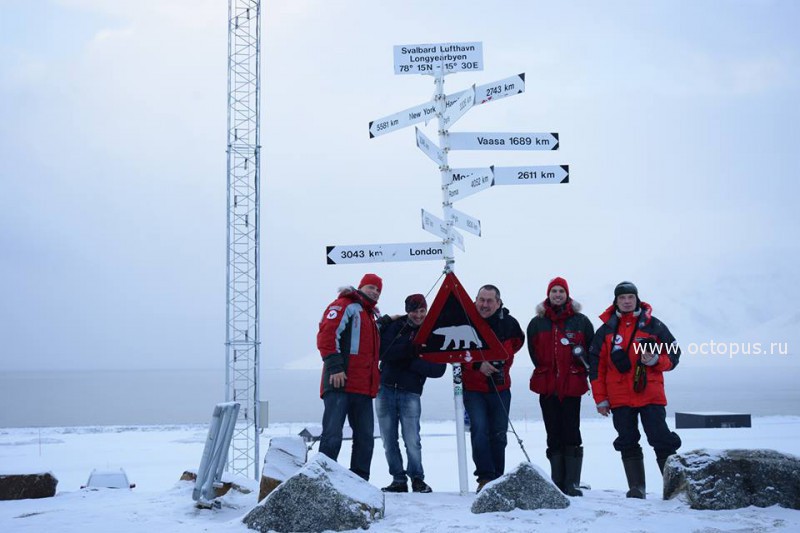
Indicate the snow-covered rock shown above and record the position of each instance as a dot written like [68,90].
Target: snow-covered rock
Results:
[732,479]
[284,457]
[526,487]
[27,486]
[322,496]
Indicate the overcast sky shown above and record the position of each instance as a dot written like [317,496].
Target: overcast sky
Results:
[678,120]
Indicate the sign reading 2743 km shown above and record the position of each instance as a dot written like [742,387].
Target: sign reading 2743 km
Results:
[423,58]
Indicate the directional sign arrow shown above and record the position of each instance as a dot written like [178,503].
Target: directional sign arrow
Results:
[468,181]
[426,111]
[430,148]
[465,222]
[474,140]
[531,175]
[500,89]
[381,253]
[458,239]
[438,227]
[407,117]
[434,224]
[455,111]
[424,58]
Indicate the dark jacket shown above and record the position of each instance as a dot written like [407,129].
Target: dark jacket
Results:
[623,330]
[401,367]
[348,341]
[556,370]
[512,338]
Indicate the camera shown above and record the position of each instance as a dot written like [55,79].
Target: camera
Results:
[499,378]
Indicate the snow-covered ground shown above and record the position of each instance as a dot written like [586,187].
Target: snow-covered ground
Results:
[156,456]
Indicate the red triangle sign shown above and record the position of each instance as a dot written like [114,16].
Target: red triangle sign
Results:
[454,332]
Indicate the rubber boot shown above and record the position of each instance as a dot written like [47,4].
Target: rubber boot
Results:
[661,458]
[573,461]
[633,462]
[556,458]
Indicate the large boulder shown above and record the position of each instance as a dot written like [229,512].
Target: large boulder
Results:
[526,487]
[731,479]
[284,457]
[322,496]
[25,486]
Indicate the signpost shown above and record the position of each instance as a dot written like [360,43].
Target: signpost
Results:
[384,253]
[453,327]
[531,175]
[503,141]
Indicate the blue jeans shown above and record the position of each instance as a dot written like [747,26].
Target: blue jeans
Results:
[488,416]
[358,410]
[396,406]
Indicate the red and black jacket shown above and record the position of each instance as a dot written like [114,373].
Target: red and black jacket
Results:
[552,334]
[624,331]
[348,341]
[510,335]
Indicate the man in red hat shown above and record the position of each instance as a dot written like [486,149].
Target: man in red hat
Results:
[349,343]
[559,337]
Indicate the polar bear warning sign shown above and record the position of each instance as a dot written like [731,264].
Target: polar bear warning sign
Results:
[454,332]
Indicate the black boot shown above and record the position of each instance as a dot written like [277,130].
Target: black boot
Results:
[661,458]
[573,461]
[556,457]
[633,461]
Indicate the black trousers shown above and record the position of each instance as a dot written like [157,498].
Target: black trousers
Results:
[654,422]
[562,421]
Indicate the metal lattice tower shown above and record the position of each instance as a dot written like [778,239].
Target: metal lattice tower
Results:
[242,338]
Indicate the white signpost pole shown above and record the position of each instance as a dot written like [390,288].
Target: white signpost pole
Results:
[449,257]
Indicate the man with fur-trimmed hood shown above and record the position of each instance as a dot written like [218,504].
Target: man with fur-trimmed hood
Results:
[349,343]
[559,337]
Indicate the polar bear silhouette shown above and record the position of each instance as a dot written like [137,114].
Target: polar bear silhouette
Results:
[460,336]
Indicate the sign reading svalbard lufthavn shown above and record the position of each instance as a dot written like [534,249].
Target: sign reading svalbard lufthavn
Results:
[424,58]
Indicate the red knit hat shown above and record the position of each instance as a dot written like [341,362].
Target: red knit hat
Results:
[371,279]
[561,282]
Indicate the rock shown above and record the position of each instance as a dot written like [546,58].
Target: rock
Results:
[322,496]
[732,479]
[527,487]
[284,457]
[26,486]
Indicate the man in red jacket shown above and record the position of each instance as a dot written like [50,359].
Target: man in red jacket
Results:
[487,394]
[558,342]
[349,343]
[629,355]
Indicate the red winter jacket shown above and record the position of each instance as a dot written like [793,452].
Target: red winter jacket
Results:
[623,330]
[512,338]
[348,341]
[556,370]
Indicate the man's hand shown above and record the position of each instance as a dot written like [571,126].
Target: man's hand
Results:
[487,369]
[338,380]
[604,408]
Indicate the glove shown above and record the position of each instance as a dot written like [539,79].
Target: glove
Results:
[621,360]
[649,359]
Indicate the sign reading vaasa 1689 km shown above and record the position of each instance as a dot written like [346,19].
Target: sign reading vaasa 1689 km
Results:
[381,253]
[424,58]
[502,141]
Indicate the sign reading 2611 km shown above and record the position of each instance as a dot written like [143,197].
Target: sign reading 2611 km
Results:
[423,58]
